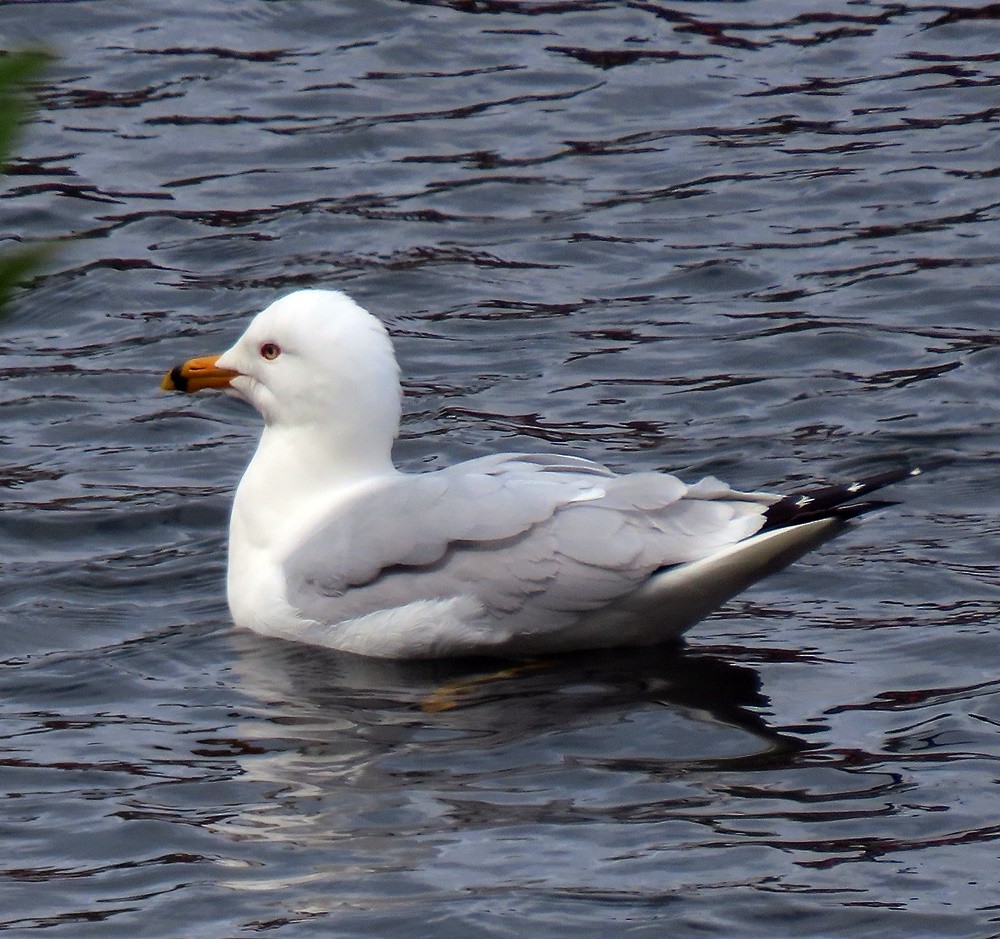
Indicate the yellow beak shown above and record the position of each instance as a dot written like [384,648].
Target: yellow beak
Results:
[196,374]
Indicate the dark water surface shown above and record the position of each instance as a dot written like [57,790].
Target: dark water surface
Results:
[755,239]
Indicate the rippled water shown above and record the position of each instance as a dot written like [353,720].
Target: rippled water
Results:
[755,239]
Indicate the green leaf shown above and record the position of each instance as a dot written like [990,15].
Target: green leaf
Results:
[17,70]
[16,267]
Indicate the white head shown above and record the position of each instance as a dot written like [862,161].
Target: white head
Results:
[314,362]
[314,356]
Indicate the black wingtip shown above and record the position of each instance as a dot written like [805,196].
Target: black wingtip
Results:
[838,501]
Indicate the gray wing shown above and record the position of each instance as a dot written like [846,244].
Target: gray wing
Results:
[536,541]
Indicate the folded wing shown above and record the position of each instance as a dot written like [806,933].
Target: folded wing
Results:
[533,542]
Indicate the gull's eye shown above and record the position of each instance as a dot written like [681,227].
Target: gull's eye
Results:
[270,351]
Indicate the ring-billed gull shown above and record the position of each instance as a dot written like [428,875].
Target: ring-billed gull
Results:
[507,554]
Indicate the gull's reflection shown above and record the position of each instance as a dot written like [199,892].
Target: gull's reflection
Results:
[497,701]
[394,757]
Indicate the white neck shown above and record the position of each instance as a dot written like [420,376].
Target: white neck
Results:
[295,473]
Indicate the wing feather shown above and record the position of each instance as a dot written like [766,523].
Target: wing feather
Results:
[534,541]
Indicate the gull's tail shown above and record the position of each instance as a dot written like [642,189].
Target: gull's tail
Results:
[676,598]
[837,501]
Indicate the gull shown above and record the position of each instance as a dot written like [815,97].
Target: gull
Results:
[507,555]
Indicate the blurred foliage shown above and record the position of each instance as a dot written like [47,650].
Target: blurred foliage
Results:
[17,71]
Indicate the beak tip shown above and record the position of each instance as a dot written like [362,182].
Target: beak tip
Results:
[174,380]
